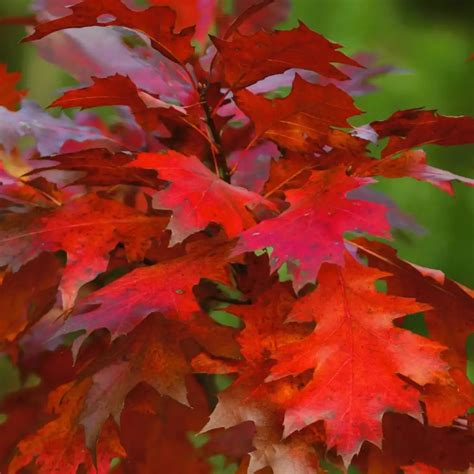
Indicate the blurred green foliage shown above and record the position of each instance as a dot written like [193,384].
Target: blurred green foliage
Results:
[429,39]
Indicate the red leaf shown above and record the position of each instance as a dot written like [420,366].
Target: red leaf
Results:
[87,229]
[295,455]
[414,164]
[198,197]
[354,322]
[243,64]
[157,23]
[166,288]
[103,168]
[450,322]
[58,446]
[320,205]
[302,119]
[114,90]
[415,127]
[192,12]
[151,353]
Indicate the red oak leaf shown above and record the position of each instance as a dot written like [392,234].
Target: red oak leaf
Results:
[26,409]
[302,48]
[236,406]
[117,90]
[151,113]
[411,163]
[302,119]
[156,22]
[316,220]
[200,13]
[248,400]
[103,168]
[87,229]
[198,197]
[166,288]
[414,127]
[450,322]
[151,353]
[356,351]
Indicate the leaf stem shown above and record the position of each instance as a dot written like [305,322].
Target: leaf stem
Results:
[219,159]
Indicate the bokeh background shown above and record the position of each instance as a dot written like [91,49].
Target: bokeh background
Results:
[429,40]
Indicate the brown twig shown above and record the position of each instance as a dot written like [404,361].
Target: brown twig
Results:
[218,156]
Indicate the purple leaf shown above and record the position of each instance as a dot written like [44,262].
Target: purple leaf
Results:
[50,133]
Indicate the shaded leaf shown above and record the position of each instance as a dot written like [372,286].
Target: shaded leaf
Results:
[301,120]
[415,127]
[156,22]
[87,229]
[166,288]
[25,296]
[50,133]
[413,164]
[244,64]
[103,168]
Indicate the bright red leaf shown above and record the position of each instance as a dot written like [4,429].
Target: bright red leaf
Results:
[356,351]
[320,205]
[198,197]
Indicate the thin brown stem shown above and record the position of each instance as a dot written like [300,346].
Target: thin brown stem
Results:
[218,156]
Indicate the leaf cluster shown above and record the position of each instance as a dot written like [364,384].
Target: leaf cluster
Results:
[206,276]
